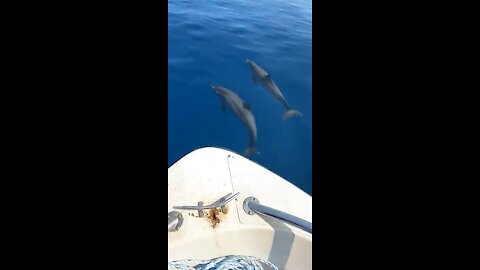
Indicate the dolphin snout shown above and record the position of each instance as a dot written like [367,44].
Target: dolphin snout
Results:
[214,88]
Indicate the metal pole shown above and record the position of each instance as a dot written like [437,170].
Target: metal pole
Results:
[252,204]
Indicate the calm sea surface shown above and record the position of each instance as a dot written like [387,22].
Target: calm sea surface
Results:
[208,42]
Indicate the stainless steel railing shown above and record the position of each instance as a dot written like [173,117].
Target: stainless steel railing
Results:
[251,205]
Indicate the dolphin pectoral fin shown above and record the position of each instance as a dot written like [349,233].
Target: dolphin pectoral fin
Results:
[291,113]
[247,106]
[254,80]
[268,79]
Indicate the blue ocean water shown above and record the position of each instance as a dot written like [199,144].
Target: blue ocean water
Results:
[208,42]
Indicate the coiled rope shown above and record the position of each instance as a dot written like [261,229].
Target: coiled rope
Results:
[232,262]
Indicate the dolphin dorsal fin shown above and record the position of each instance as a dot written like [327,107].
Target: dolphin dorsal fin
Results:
[246,106]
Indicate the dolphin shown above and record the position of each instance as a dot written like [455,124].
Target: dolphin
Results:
[260,75]
[244,113]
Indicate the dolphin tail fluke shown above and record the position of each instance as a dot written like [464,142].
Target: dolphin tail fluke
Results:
[291,113]
[250,151]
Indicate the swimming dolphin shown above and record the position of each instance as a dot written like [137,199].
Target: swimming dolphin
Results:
[243,111]
[260,75]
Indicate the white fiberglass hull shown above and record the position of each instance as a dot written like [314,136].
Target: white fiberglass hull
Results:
[208,174]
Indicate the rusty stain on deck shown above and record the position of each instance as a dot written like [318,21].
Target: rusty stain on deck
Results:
[215,215]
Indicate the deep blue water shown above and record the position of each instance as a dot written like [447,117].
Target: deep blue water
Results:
[208,42]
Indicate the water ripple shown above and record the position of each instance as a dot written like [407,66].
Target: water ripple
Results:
[208,42]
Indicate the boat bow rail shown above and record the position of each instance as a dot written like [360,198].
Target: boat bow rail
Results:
[251,205]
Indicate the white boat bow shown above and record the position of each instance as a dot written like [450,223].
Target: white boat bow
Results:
[235,191]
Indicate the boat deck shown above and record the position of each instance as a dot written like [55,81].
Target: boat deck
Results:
[208,174]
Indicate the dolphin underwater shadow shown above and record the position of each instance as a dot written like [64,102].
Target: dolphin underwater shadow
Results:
[243,111]
[259,75]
